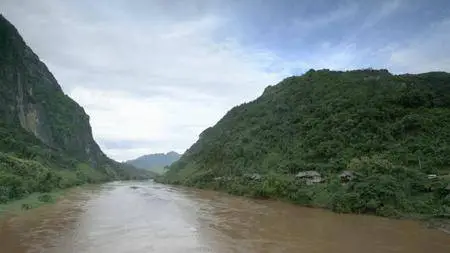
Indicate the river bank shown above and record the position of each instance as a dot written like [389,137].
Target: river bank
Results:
[38,199]
[320,196]
[34,200]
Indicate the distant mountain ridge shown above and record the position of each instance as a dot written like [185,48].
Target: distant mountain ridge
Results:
[155,161]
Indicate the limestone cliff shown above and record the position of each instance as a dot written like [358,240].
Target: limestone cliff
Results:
[31,98]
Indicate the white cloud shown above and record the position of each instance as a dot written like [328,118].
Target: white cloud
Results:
[429,51]
[338,57]
[158,82]
[387,8]
[153,74]
[164,122]
[344,11]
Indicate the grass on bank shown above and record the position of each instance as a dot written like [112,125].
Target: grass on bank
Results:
[33,200]
[26,183]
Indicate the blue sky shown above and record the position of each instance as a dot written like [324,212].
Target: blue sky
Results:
[154,74]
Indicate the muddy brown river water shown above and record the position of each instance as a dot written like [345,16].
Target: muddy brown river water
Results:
[118,217]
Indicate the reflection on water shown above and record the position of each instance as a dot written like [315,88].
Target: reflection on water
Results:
[118,217]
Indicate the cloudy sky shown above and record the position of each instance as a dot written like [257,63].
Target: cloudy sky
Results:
[152,74]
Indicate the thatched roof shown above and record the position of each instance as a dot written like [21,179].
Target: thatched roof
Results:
[347,173]
[447,198]
[254,176]
[309,173]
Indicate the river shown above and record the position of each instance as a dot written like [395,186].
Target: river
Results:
[148,217]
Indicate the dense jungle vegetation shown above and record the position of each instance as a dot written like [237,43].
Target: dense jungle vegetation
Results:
[391,131]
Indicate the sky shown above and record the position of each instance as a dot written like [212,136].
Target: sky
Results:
[153,74]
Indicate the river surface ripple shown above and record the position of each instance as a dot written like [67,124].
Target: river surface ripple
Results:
[140,217]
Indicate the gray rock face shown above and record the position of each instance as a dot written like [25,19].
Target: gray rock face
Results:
[31,98]
[32,116]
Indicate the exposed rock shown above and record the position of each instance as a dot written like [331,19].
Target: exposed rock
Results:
[26,206]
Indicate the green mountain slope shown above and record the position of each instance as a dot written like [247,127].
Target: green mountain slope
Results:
[45,138]
[389,132]
[155,162]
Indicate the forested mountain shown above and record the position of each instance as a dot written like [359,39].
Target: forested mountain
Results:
[390,134]
[45,138]
[155,162]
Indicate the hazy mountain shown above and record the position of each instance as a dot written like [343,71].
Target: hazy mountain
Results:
[155,162]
